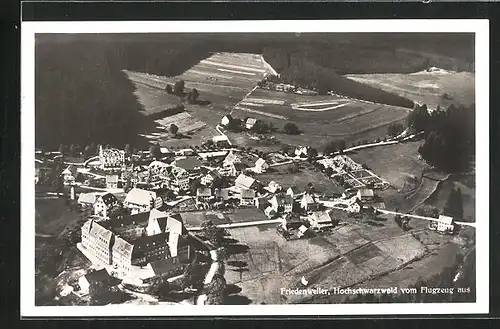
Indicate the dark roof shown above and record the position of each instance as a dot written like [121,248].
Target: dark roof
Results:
[97,276]
[163,266]
[203,191]
[148,242]
[189,163]
[120,223]
[283,198]
[109,198]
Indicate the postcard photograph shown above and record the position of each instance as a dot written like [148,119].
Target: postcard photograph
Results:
[254,168]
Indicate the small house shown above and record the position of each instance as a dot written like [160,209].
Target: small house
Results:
[273,187]
[203,194]
[69,175]
[444,224]
[282,203]
[221,195]
[209,177]
[292,191]
[228,169]
[104,204]
[139,200]
[320,220]
[93,278]
[244,182]
[226,120]
[365,194]
[250,123]
[301,151]
[221,141]
[270,213]
[308,203]
[247,197]
[112,181]
[87,199]
[261,166]
[232,158]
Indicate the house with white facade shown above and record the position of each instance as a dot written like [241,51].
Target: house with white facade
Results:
[111,158]
[261,166]
[308,203]
[282,203]
[139,200]
[247,197]
[104,204]
[444,224]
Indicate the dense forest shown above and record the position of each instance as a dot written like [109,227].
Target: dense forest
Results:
[82,96]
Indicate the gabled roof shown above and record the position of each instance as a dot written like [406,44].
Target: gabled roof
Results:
[244,181]
[220,138]
[108,199]
[365,192]
[163,266]
[122,246]
[231,158]
[247,193]
[97,276]
[321,216]
[158,164]
[260,162]
[251,121]
[308,198]
[147,242]
[112,178]
[99,231]
[445,219]
[222,193]
[87,198]
[203,191]
[140,196]
[123,223]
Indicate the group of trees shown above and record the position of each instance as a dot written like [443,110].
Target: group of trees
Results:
[335,146]
[291,129]
[178,90]
[454,204]
[449,136]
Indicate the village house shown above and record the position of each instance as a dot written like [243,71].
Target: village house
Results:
[273,187]
[308,203]
[163,268]
[244,182]
[139,200]
[444,224]
[228,169]
[301,151]
[87,200]
[354,205]
[250,123]
[262,203]
[112,181]
[221,195]
[93,278]
[261,166]
[105,204]
[177,178]
[292,222]
[282,203]
[320,220]
[203,195]
[292,191]
[161,222]
[225,120]
[247,197]
[111,158]
[270,213]
[69,175]
[209,177]
[221,141]
[365,194]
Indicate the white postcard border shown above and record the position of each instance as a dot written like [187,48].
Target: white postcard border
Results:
[478,26]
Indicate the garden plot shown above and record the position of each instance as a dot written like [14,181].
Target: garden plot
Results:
[185,121]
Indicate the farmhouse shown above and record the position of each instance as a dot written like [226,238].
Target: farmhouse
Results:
[250,123]
[139,200]
[112,181]
[87,199]
[163,268]
[209,177]
[308,203]
[226,120]
[269,212]
[203,194]
[93,278]
[104,204]
[282,203]
[111,158]
[244,182]
[320,220]
[444,224]
[221,141]
[292,191]
[228,169]
[365,194]
[261,166]
[69,175]
[232,158]
[247,197]
[273,187]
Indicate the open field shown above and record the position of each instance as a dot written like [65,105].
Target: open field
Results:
[326,117]
[425,87]
[350,254]
[300,179]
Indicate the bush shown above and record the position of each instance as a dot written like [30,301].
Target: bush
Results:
[291,129]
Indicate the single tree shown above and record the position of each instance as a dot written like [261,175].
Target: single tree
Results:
[291,129]
[127,149]
[174,129]
[155,152]
[212,233]
[179,88]
[168,89]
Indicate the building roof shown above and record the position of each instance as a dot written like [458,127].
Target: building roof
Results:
[163,266]
[260,162]
[220,138]
[140,196]
[157,164]
[203,191]
[108,198]
[283,198]
[308,198]
[232,158]
[112,178]
[365,192]
[87,198]
[244,181]
[147,242]
[321,216]
[263,203]
[99,230]
[248,193]
[122,246]
[97,276]
[251,121]
[445,219]
[188,163]
[222,193]
[123,223]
